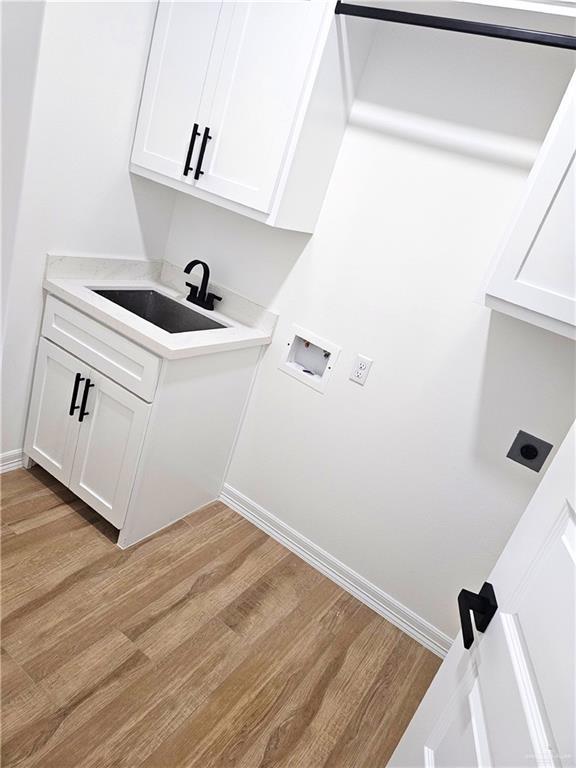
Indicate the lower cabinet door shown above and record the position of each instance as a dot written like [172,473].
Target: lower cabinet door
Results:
[109,445]
[52,430]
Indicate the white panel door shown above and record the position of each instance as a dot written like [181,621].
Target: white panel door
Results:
[177,66]
[263,53]
[537,266]
[510,699]
[109,445]
[52,431]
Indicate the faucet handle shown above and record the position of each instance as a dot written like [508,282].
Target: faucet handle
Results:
[196,297]
[210,299]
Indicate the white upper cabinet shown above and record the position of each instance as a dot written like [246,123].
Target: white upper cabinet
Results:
[535,276]
[228,90]
[179,59]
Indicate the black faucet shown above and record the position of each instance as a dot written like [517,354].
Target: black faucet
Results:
[197,295]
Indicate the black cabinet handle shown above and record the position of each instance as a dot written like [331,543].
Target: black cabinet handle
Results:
[205,139]
[73,407]
[483,605]
[83,411]
[195,133]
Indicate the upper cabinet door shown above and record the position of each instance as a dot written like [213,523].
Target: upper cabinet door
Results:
[536,270]
[109,444]
[53,425]
[179,56]
[259,67]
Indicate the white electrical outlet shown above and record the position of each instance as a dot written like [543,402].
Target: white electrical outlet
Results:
[361,369]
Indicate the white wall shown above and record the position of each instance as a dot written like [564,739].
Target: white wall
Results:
[405,480]
[77,194]
[21,31]
[500,86]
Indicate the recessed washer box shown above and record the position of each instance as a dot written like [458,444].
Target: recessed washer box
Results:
[309,358]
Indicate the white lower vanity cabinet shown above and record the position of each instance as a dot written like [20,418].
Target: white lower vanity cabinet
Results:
[86,430]
[143,458]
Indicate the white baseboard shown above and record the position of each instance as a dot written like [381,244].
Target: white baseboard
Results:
[385,605]
[11,460]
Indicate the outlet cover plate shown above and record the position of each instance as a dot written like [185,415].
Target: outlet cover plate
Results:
[530,451]
[361,369]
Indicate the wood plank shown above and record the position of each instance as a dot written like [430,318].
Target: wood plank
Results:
[273,596]
[159,688]
[37,511]
[5,531]
[267,674]
[363,699]
[143,736]
[307,666]
[392,713]
[107,589]
[23,483]
[33,543]
[15,681]
[41,553]
[195,600]
[41,492]
[208,644]
[78,690]
[304,728]
[26,713]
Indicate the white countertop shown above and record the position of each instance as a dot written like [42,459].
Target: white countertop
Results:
[78,293]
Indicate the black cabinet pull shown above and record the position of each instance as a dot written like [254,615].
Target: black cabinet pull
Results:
[73,407]
[83,411]
[483,605]
[205,139]
[195,133]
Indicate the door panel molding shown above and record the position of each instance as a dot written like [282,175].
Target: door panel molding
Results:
[51,433]
[109,446]
[536,267]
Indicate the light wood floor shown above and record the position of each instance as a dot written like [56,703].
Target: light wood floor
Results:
[206,645]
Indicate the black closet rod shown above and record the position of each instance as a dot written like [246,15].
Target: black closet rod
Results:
[459,25]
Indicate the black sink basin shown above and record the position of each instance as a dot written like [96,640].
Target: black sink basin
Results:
[159,310]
